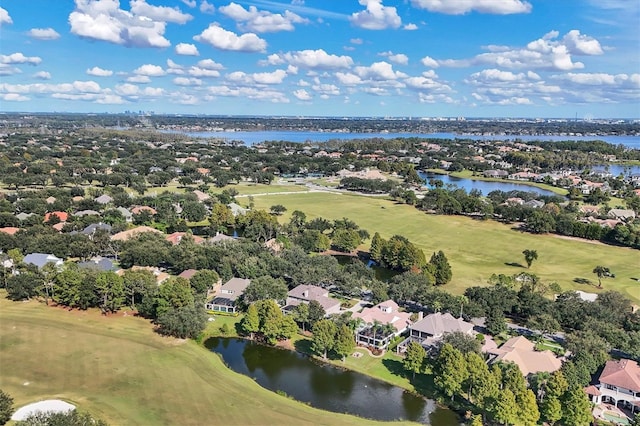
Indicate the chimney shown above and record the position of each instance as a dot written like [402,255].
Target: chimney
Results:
[420,315]
[305,294]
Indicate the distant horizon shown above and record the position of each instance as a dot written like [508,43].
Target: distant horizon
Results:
[333,117]
[354,58]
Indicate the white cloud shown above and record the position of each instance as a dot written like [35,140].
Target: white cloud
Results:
[258,94]
[239,77]
[99,72]
[429,62]
[580,44]
[459,7]
[203,72]
[105,21]
[4,17]
[356,41]
[410,27]
[379,71]
[302,95]
[261,21]
[398,58]
[210,64]
[311,59]
[159,13]
[190,3]
[227,40]
[149,70]
[143,79]
[19,58]
[14,97]
[42,75]
[376,16]
[187,49]
[184,81]
[8,69]
[348,79]
[43,34]
[206,7]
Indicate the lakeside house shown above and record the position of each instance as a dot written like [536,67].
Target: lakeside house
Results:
[381,323]
[230,292]
[428,331]
[521,351]
[307,293]
[619,385]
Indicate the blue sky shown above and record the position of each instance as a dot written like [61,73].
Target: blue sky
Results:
[418,58]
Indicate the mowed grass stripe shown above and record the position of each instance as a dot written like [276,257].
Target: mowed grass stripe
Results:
[476,249]
[119,369]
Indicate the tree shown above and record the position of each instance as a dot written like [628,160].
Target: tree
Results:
[65,418]
[440,268]
[6,407]
[481,385]
[345,343]
[528,413]
[551,410]
[109,288]
[265,287]
[324,337]
[636,420]
[495,322]
[463,342]
[182,322]
[505,409]
[316,312]
[278,209]
[450,370]
[601,271]
[203,280]
[530,256]
[346,240]
[377,243]
[576,408]
[414,358]
[250,323]
[301,314]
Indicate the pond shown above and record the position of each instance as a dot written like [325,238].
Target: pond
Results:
[327,387]
[485,186]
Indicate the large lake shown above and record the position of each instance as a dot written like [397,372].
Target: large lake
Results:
[326,387]
[250,138]
[483,186]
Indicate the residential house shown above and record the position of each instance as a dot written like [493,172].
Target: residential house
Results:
[187,274]
[63,216]
[237,209]
[521,351]
[50,200]
[230,292]
[9,230]
[496,173]
[131,233]
[202,197]
[90,230]
[82,213]
[103,199]
[429,330]
[385,313]
[622,214]
[535,204]
[126,213]
[177,237]
[159,275]
[140,209]
[98,264]
[618,384]
[306,293]
[219,238]
[41,259]
[23,216]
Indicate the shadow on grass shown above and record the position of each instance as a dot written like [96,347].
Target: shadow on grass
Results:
[514,264]
[423,383]
[584,281]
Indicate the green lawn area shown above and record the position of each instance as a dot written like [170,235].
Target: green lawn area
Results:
[117,368]
[476,249]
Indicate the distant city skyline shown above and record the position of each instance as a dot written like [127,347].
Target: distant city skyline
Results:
[569,59]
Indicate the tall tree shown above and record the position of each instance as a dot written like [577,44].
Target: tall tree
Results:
[250,323]
[324,337]
[601,272]
[110,291]
[6,407]
[345,342]
[414,358]
[576,408]
[530,256]
[450,370]
[301,314]
[440,268]
[481,384]
[505,409]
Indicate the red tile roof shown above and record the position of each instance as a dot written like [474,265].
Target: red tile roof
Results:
[624,373]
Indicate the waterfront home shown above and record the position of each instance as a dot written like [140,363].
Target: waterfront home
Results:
[521,352]
[618,384]
[428,331]
[306,293]
[230,292]
[381,323]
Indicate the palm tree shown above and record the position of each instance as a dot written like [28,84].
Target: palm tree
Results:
[601,271]
[530,256]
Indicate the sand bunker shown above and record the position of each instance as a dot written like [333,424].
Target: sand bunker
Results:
[49,405]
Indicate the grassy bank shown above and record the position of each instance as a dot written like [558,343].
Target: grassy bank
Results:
[476,249]
[117,368]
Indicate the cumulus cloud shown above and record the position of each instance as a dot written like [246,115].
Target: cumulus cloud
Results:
[310,59]
[99,72]
[429,62]
[143,26]
[548,52]
[19,58]
[397,58]
[13,97]
[499,87]
[204,68]
[378,71]
[149,70]
[190,3]
[227,40]
[206,7]
[257,94]
[302,95]
[410,27]
[140,79]
[185,81]
[261,21]
[459,7]
[6,69]
[43,34]
[239,77]
[187,49]
[4,17]
[42,75]
[159,13]
[376,16]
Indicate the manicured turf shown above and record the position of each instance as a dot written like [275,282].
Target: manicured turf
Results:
[118,369]
[476,249]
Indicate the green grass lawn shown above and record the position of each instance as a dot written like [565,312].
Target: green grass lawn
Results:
[117,368]
[475,249]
